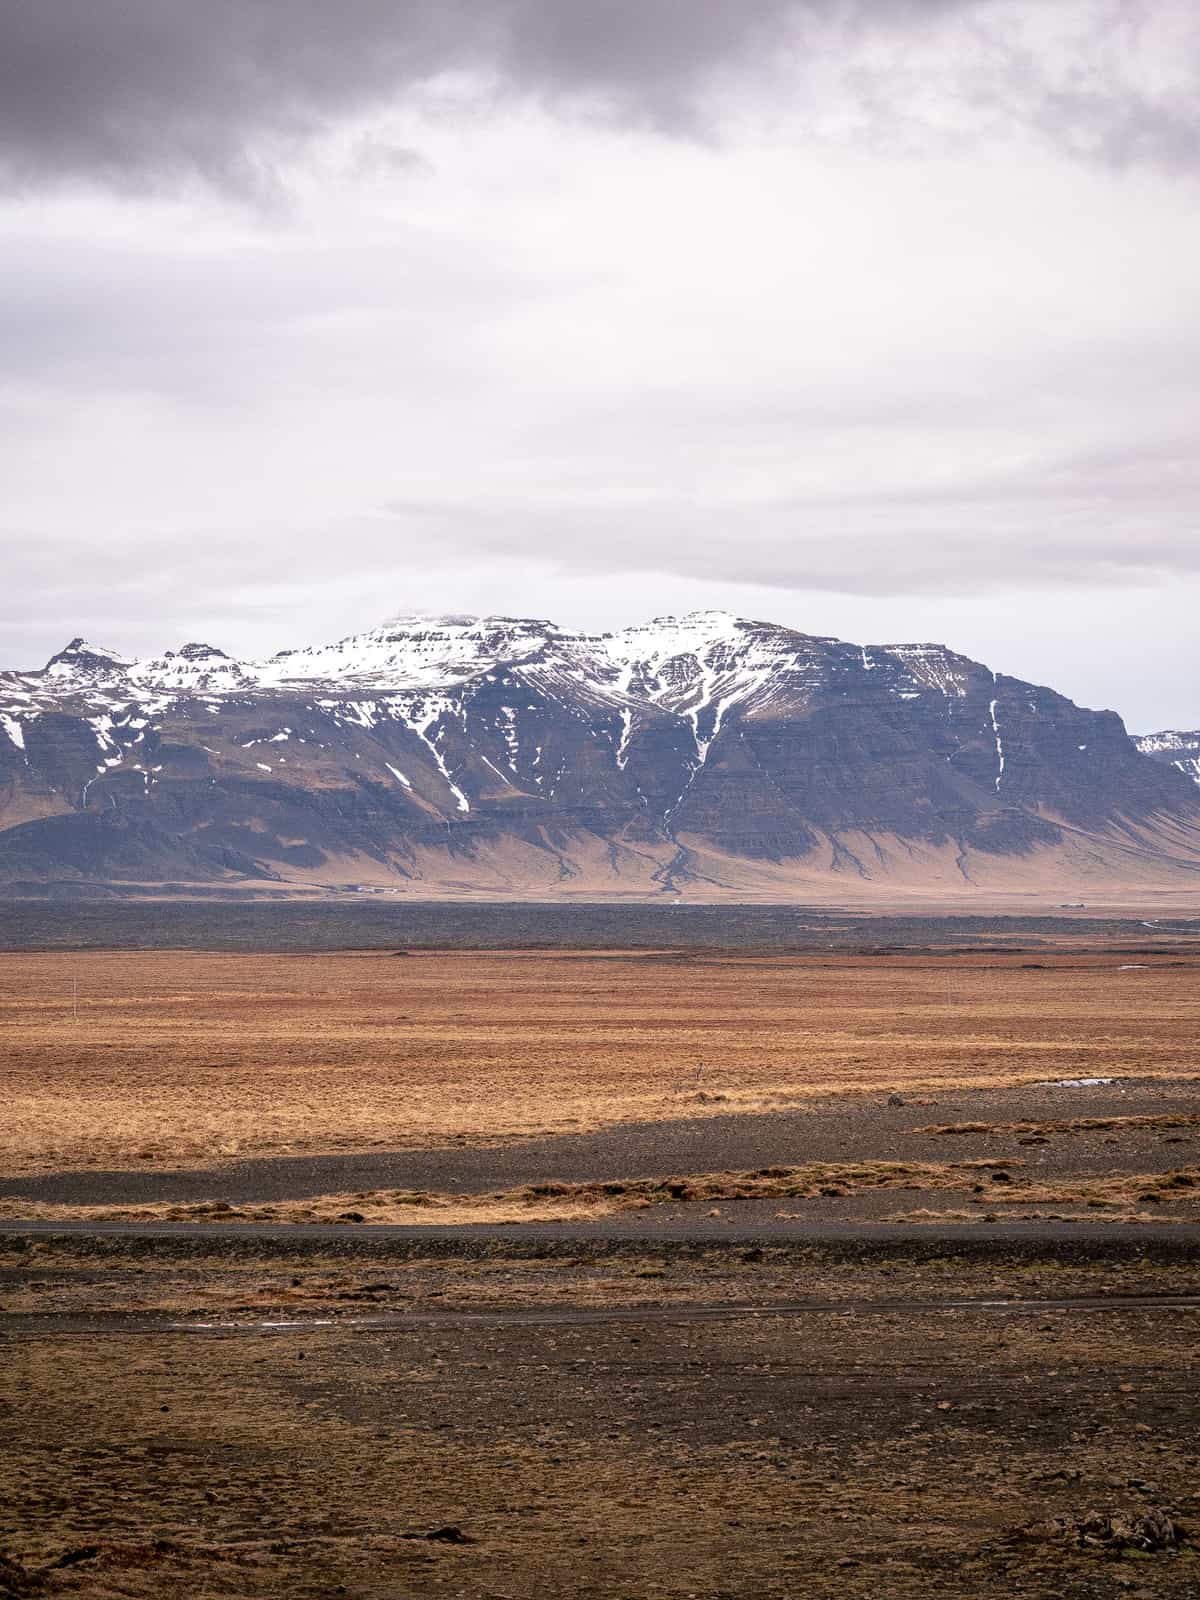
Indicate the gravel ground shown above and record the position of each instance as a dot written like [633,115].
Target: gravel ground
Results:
[894,1440]
[841,1128]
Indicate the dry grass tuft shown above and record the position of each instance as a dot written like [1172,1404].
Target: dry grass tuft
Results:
[1163,1120]
[1004,1183]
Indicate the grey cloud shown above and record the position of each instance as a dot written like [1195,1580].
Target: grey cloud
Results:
[131,90]
[135,92]
[1099,102]
[886,547]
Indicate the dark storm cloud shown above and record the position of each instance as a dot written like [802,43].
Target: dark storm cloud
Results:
[141,91]
[130,89]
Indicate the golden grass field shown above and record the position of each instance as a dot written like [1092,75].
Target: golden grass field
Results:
[196,1058]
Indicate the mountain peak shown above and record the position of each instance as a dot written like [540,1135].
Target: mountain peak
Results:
[199,652]
[699,618]
[81,647]
[81,657]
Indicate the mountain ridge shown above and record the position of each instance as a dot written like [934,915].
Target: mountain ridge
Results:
[703,754]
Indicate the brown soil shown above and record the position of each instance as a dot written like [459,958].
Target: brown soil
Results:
[894,1442]
[195,1058]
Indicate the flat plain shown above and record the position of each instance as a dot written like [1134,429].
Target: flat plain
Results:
[159,1058]
[660,1385]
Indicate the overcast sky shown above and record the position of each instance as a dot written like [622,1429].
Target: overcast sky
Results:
[878,319]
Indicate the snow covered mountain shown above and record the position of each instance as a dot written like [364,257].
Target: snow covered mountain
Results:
[1181,750]
[704,755]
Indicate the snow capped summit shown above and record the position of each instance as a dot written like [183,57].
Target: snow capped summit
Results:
[80,648]
[199,652]
[701,665]
[196,667]
[1175,747]
[1169,739]
[80,664]
[413,653]
[82,656]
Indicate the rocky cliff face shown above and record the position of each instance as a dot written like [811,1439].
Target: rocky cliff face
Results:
[699,754]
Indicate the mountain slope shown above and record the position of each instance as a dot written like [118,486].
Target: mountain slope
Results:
[705,755]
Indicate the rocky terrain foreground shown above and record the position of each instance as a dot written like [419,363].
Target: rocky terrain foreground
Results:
[703,756]
[684,1421]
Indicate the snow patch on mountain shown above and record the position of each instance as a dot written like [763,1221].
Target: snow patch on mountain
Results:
[932,666]
[423,716]
[699,666]
[1180,749]
[999,744]
[413,653]
[623,742]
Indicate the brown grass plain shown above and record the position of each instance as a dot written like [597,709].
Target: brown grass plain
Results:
[198,1058]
